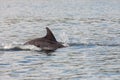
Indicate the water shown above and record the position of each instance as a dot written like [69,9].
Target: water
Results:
[90,28]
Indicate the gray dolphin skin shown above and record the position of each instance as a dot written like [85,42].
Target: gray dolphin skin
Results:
[47,43]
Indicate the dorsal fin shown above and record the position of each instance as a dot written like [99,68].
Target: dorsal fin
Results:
[50,35]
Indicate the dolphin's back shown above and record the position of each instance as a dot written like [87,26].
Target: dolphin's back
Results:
[45,44]
[48,42]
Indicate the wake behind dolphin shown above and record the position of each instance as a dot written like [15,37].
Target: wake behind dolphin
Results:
[47,42]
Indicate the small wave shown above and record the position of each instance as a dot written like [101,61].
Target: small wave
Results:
[91,44]
[108,44]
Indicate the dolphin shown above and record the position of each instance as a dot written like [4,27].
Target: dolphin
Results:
[46,43]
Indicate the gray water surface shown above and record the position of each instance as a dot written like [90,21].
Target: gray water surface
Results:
[91,28]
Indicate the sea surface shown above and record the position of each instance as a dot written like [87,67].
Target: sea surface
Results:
[89,28]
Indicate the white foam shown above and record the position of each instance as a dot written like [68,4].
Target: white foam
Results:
[20,46]
[31,47]
[7,46]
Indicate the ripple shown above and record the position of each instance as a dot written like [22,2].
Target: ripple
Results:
[91,28]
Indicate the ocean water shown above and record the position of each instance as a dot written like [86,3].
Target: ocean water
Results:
[90,28]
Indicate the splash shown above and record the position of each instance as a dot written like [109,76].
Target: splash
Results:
[17,47]
[64,38]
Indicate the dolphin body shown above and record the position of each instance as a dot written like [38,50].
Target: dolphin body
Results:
[47,43]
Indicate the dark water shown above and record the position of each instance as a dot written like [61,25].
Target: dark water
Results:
[90,28]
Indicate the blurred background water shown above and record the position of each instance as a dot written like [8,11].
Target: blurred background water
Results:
[90,27]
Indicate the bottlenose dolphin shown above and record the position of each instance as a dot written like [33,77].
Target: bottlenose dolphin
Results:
[47,43]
